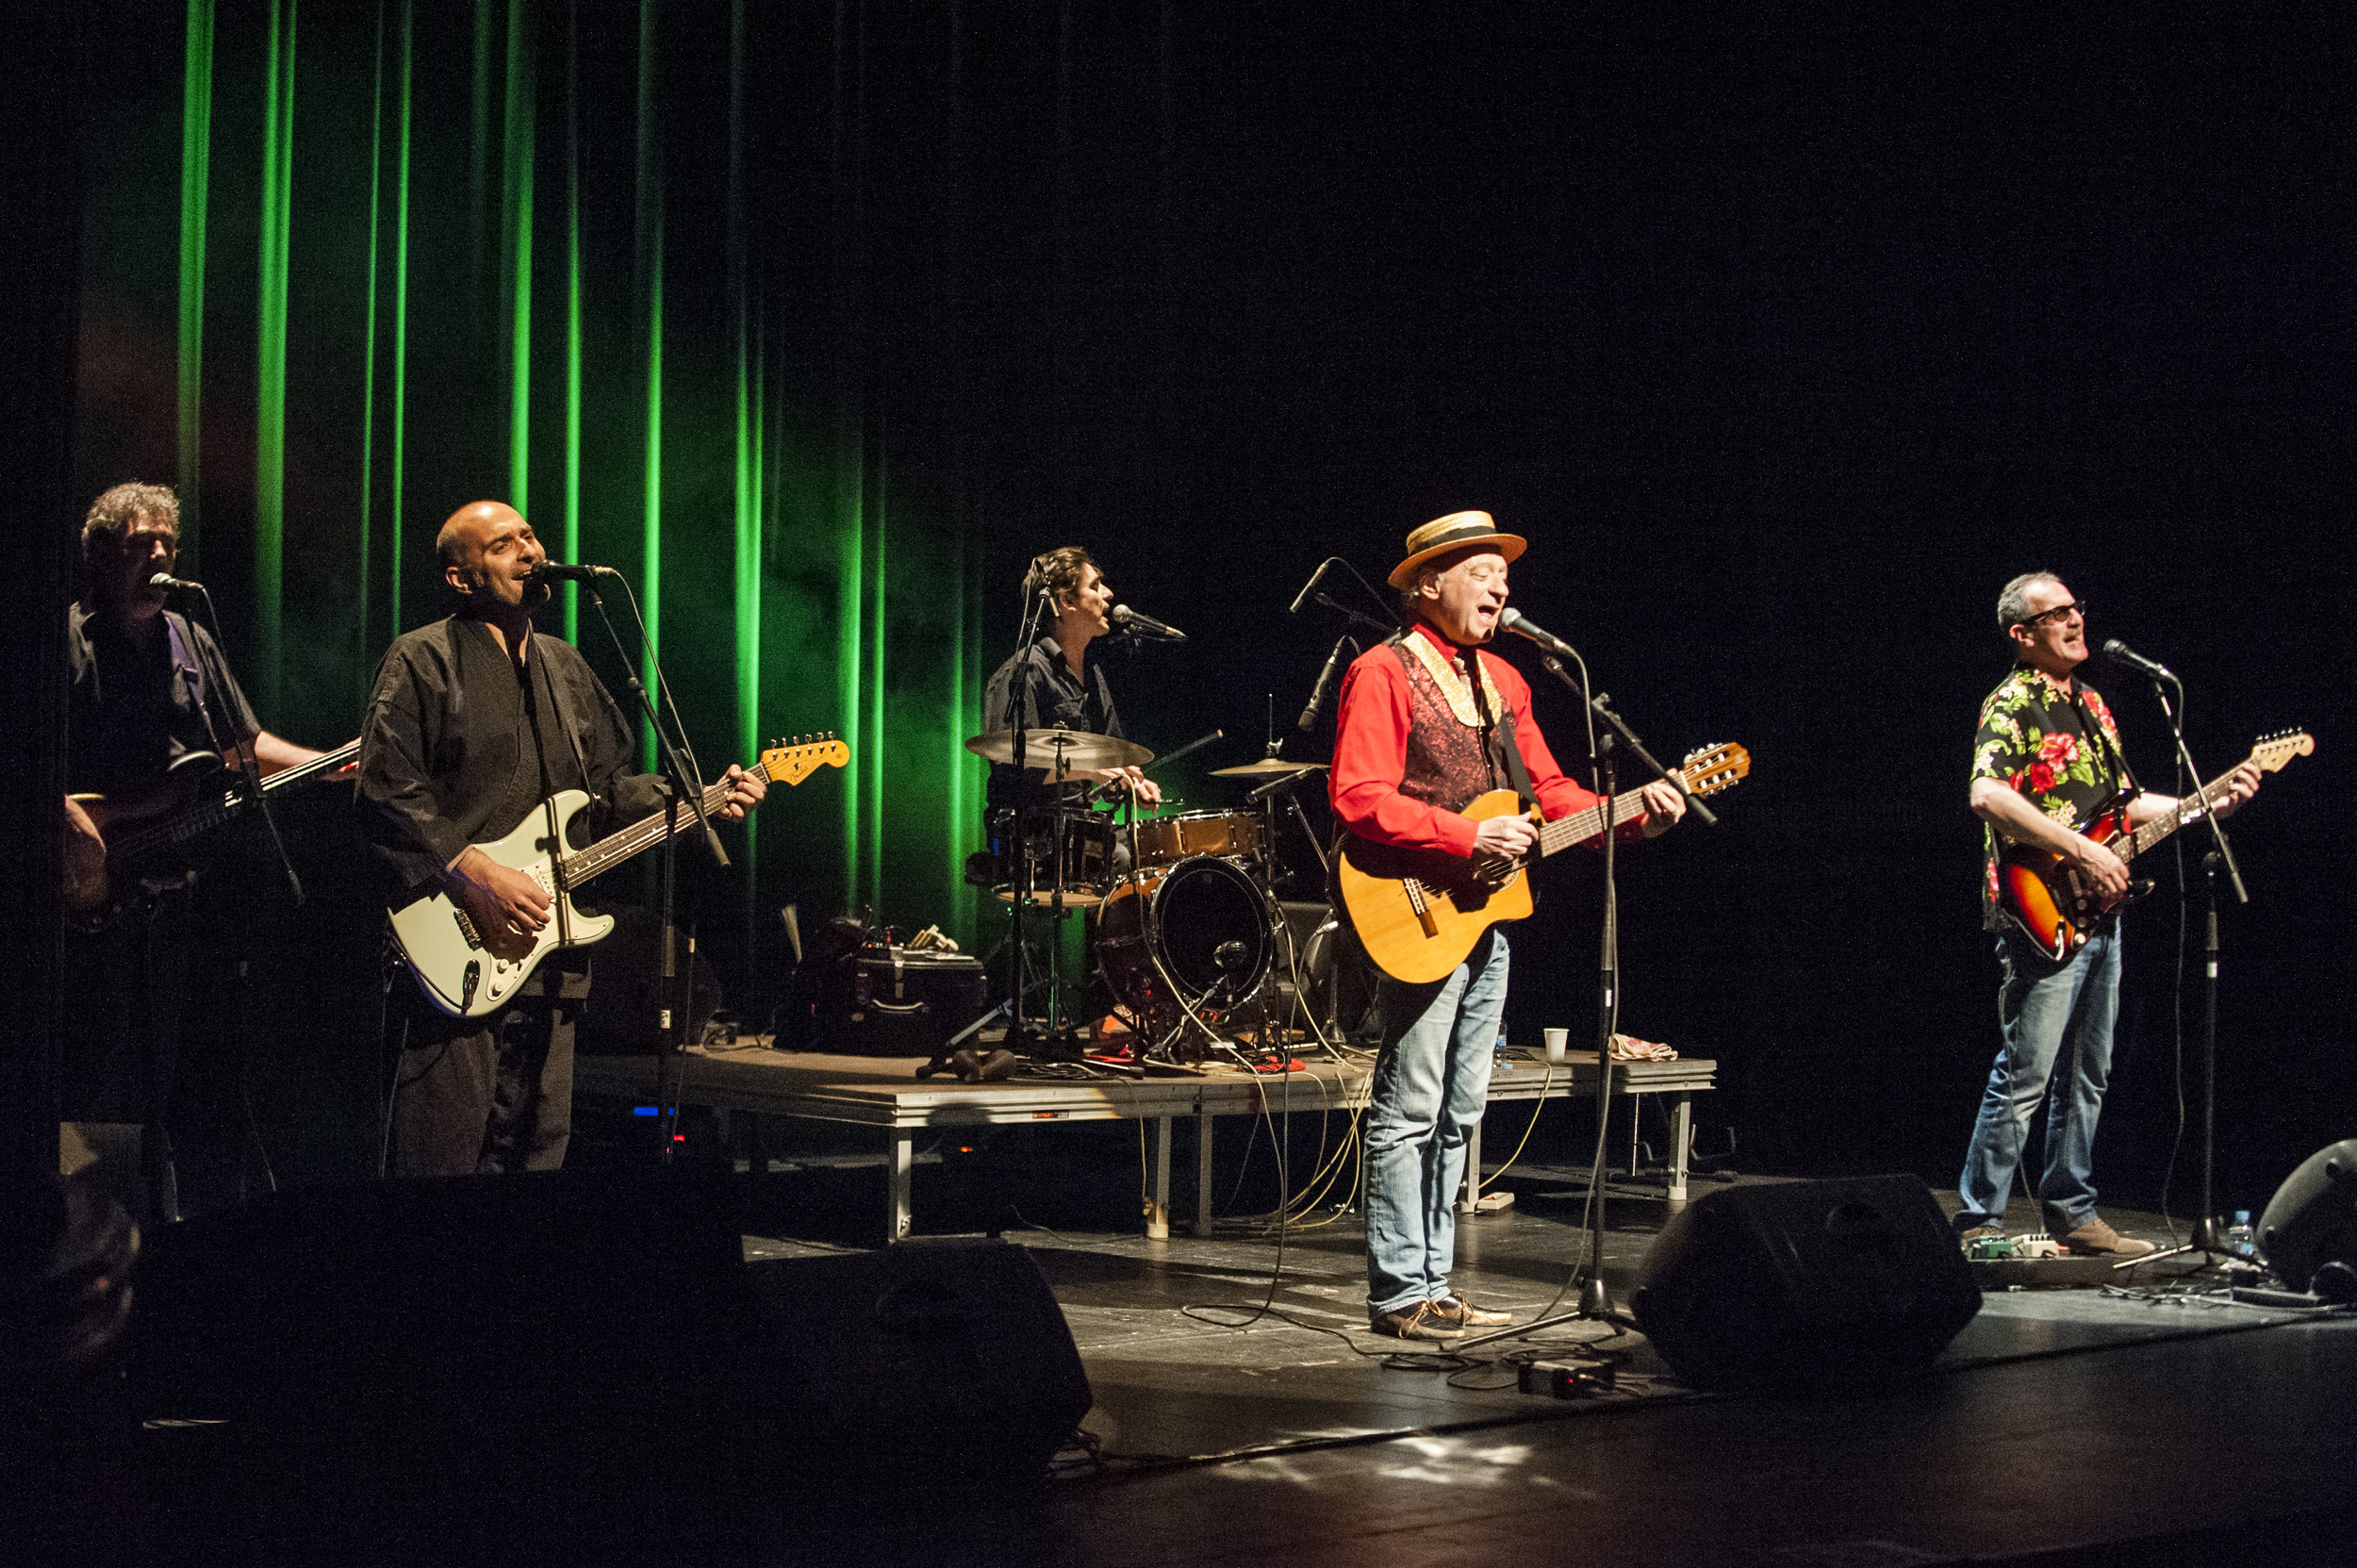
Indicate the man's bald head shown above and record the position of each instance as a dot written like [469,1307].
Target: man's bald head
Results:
[488,554]
[465,530]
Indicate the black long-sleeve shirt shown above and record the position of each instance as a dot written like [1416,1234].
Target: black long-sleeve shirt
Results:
[1057,699]
[459,746]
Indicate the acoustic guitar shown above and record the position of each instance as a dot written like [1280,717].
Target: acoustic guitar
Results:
[1421,911]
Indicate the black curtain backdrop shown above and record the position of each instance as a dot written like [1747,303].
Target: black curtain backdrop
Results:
[1787,333]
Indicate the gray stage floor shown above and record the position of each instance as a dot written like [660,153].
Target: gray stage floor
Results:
[2071,1422]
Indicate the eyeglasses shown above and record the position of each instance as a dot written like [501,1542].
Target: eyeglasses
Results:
[2059,613]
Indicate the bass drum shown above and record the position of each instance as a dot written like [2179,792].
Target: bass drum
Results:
[1185,914]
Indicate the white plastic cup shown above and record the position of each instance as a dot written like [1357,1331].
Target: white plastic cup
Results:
[1558,1040]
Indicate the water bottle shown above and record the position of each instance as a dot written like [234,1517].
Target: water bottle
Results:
[2240,1243]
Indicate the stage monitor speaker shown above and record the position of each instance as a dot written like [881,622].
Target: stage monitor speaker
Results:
[607,1311]
[2311,1223]
[1804,1280]
[947,1362]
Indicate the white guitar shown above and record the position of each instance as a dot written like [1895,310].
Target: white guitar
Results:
[470,973]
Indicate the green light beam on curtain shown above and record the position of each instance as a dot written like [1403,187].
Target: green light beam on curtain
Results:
[871,787]
[400,327]
[196,150]
[573,316]
[651,272]
[747,574]
[270,440]
[368,352]
[515,250]
[849,529]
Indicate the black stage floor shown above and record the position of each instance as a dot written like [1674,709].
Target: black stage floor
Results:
[2156,1423]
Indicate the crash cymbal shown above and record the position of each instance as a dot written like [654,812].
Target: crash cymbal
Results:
[1266,767]
[1074,748]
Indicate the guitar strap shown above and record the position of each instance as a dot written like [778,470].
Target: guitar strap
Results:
[2087,725]
[1498,732]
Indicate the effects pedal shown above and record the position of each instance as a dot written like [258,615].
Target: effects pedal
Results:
[1566,1380]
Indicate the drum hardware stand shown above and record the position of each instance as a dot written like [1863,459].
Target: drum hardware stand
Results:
[2206,1239]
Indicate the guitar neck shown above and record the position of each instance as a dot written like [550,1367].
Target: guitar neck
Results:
[1581,826]
[190,820]
[2190,809]
[641,836]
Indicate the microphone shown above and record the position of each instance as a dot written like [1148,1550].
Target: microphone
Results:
[1145,626]
[1523,626]
[550,572]
[1308,719]
[1303,596]
[166,580]
[2120,654]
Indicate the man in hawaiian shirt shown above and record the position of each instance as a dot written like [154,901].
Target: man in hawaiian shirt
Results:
[2045,763]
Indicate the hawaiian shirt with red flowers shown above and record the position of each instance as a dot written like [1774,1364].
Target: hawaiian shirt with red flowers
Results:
[2034,739]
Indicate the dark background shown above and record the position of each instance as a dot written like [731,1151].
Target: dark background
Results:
[1785,333]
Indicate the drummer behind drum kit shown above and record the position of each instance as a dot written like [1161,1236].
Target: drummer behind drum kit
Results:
[1189,932]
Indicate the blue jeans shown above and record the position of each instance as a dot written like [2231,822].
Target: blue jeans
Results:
[2046,1015]
[1431,1083]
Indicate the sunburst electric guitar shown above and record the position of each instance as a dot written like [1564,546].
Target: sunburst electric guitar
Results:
[1421,911]
[469,972]
[2046,899]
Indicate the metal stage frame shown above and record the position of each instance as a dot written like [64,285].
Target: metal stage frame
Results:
[886,1093]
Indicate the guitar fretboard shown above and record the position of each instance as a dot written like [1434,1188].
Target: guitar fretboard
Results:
[2190,809]
[190,820]
[1581,826]
[645,833]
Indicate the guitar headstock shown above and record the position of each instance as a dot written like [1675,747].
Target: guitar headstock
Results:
[1709,769]
[2273,751]
[791,764]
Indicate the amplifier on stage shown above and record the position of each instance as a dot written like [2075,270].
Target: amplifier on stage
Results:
[898,1000]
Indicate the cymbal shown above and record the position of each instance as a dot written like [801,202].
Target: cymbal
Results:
[1074,748]
[1266,767]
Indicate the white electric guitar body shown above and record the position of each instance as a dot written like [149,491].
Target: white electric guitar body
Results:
[470,973]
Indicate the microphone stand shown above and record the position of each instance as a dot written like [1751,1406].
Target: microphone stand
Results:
[2205,1239]
[684,779]
[1595,1296]
[1018,714]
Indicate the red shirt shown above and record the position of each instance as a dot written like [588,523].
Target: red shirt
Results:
[1371,755]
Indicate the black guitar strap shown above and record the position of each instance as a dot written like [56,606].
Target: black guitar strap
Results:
[1497,734]
[2102,737]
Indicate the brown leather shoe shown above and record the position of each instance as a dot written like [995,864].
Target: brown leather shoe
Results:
[1417,1320]
[1463,1314]
[2095,1239]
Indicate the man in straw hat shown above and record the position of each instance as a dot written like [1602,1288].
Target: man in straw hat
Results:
[1427,723]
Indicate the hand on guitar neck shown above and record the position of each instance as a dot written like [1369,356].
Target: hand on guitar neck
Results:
[1504,841]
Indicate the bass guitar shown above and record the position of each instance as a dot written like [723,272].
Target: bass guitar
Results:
[1421,911]
[469,973]
[89,873]
[2046,899]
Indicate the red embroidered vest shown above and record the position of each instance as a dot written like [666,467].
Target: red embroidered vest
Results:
[1448,765]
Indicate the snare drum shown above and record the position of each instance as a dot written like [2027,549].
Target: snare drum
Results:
[1168,840]
[1079,842]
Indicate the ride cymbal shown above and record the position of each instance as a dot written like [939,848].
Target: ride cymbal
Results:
[1071,749]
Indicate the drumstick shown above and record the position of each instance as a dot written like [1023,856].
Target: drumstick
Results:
[1105,790]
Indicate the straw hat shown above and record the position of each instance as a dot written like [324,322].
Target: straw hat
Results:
[1454,532]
